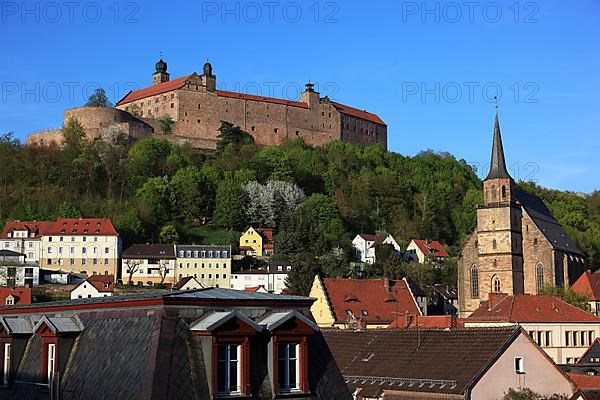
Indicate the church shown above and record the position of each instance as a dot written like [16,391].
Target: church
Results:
[517,246]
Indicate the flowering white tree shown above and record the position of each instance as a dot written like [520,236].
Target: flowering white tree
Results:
[266,204]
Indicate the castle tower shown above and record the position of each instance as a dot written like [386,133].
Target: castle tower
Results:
[208,79]
[310,96]
[161,75]
[499,231]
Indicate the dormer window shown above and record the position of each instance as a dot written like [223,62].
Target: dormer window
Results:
[288,367]
[51,362]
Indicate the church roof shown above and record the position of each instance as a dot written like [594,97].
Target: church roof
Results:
[545,221]
[498,163]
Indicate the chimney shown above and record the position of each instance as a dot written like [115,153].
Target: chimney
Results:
[494,299]
[386,284]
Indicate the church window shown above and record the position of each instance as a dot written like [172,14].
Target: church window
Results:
[496,284]
[503,192]
[474,282]
[172,105]
[535,241]
[494,244]
[539,277]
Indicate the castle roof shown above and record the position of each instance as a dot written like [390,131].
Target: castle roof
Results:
[355,112]
[153,90]
[498,164]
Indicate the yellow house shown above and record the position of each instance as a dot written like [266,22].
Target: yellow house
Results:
[257,242]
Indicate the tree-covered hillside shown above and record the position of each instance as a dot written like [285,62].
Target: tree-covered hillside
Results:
[317,199]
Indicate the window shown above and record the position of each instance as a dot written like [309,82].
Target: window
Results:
[228,368]
[539,277]
[496,284]
[288,367]
[503,192]
[6,374]
[519,365]
[51,362]
[474,282]
[494,244]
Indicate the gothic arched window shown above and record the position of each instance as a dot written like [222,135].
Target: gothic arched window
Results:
[539,277]
[496,284]
[474,281]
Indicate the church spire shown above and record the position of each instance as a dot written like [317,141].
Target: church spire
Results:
[498,164]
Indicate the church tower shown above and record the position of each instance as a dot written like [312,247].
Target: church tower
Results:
[499,229]
[160,75]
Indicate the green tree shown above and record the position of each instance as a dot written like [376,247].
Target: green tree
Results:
[169,234]
[190,194]
[232,135]
[229,203]
[73,138]
[528,394]
[165,123]
[568,295]
[152,200]
[98,99]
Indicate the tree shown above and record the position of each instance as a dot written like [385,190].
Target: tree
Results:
[169,234]
[73,138]
[163,270]
[568,295]
[229,203]
[98,99]
[528,394]
[166,123]
[153,201]
[131,267]
[234,135]
[190,194]
[267,204]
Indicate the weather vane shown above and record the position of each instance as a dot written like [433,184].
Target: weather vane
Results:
[496,103]
[161,54]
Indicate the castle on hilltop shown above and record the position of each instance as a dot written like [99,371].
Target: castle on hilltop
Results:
[197,108]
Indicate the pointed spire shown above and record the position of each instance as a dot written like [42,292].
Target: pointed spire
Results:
[498,164]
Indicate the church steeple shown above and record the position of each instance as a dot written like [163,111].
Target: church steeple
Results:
[498,163]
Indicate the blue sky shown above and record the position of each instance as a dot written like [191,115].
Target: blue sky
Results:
[429,69]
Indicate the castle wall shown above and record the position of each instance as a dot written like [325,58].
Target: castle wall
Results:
[360,131]
[45,138]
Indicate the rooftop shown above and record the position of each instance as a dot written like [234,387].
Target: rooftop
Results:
[431,248]
[150,251]
[588,284]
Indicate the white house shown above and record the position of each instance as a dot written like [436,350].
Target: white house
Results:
[15,271]
[24,237]
[421,250]
[272,278]
[364,245]
[94,286]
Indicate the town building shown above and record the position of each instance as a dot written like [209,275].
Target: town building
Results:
[194,345]
[587,394]
[588,284]
[425,250]
[560,329]
[149,264]
[24,237]
[94,286]
[10,296]
[16,271]
[588,386]
[272,277]
[365,245]
[257,242]
[444,299]
[361,303]
[407,321]
[588,363]
[210,265]
[517,247]
[188,283]
[62,277]
[480,364]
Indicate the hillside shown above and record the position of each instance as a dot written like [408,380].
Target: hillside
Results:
[318,198]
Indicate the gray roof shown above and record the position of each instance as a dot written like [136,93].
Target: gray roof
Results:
[212,321]
[61,324]
[150,251]
[497,164]
[276,319]
[17,326]
[10,253]
[205,247]
[545,221]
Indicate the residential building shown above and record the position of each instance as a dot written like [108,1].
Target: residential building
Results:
[87,246]
[562,330]
[479,364]
[588,386]
[10,296]
[188,283]
[588,363]
[210,265]
[24,237]
[425,250]
[587,394]
[16,271]
[445,299]
[62,277]
[257,242]
[517,246]
[361,303]
[365,245]
[149,264]
[588,284]
[94,286]
[273,277]
[195,345]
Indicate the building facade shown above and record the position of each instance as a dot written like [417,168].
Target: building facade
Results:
[149,265]
[197,107]
[16,271]
[24,237]
[273,278]
[365,245]
[422,250]
[257,242]
[94,286]
[517,247]
[210,265]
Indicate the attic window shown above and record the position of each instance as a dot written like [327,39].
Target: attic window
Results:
[519,365]
[367,356]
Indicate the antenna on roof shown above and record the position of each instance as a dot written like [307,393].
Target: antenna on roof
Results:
[161,54]
[496,106]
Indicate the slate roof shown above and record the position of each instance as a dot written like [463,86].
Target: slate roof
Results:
[397,358]
[17,326]
[592,352]
[497,163]
[588,284]
[431,248]
[10,253]
[448,292]
[527,308]
[150,251]
[370,295]
[201,247]
[545,221]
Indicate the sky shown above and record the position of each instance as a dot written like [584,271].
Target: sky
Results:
[429,69]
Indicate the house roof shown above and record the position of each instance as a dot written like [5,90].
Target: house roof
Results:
[266,233]
[545,221]
[263,99]
[588,284]
[447,291]
[64,226]
[184,281]
[587,394]
[21,296]
[150,251]
[527,308]
[102,283]
[406,359]
[431,248]
[585,381]
[376,239]
[213,321]
[255,289]
[355,112]
[274,320]
[203,247]
[60,324]
[425,321]
[369,300]
[17,326]
[592,352]
[10,253]
[37,228]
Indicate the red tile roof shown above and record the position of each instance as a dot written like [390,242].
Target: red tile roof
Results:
[38,228]
[585,381]
[426,321]
[431,248]
[355,112]
[588,284]
[244,96]
[102,283]
[370,295]
[527,308]
[154,90]
[21,295]
[255,289]
[82,226]
[182,282]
